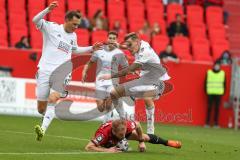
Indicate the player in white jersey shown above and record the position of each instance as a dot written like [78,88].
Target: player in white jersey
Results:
[108,60]
[150,84]
[59,41]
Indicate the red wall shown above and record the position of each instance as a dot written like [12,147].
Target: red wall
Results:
[186,104]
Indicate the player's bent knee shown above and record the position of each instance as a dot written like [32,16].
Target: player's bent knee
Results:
[54,97]
[100,108]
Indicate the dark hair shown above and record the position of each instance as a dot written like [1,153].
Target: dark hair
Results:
[113,33]
[178,15]
[217,62]
[97,13]
[131,35]
[70,14]
[22,38]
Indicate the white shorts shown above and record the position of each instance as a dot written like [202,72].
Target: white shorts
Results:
[139,87]
[103,92]
[43,88]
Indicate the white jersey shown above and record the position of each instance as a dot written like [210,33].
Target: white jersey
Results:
[107,63]
[151,64]
[57,45]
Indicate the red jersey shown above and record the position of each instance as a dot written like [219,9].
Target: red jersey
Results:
[105,138]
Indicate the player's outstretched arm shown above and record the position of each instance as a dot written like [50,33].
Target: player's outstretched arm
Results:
[95,47]
[91,147]
[141,145]
[133,67]
[36,19]
[85,70]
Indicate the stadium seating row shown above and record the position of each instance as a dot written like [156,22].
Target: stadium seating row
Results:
[204,38]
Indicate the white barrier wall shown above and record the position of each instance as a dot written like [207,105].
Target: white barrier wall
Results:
[17,97]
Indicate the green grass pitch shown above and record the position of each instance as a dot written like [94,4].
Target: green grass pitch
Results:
[65,140]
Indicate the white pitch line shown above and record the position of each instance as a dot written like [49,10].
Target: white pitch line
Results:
[50,153]
[63,137]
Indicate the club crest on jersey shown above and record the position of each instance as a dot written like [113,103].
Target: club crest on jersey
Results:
[64,46]
[142,49]
[99,138]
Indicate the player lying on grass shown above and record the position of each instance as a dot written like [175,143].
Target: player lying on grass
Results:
[150,85]
[111,133]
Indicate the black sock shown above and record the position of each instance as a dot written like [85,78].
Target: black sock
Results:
[157,140]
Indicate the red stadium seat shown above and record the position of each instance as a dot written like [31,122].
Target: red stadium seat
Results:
[16,6]
[154,7]
[36,4]
[201,50]
[3,25]
[83,37]
[136,12]
[172,10]
[197,31]
[57,16]
[136,24]
[77,5]
[218,47]
[150,2]
[136,17]
[94,6]
[181,47]
[194,14]
[155,13]
[160,42]
[217,32]
[214,15]
[116,9]
[17,20]
[134,2]
[99,36]
[3,31]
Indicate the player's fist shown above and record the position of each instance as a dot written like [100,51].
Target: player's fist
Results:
[53,5]
[142,147]
[97,46]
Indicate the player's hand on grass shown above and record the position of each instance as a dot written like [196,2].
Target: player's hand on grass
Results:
[114,150]
[97,46]
[142,147]
[53,5]
[105,77]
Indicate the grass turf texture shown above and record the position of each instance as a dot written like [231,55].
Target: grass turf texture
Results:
[65,140]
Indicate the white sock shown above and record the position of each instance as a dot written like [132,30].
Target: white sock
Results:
[150,117]
[107,116]
[118,105]
[48,117]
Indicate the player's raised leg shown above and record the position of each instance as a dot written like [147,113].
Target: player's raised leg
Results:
[154,139]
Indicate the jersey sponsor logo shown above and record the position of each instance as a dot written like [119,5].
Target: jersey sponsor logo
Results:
[64,46]
[133,125]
